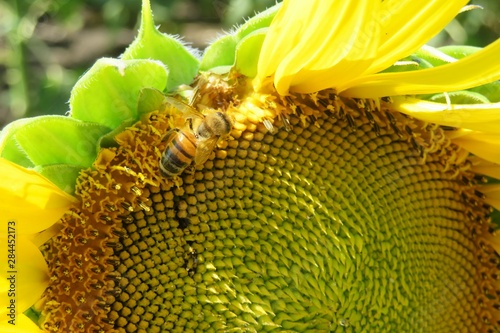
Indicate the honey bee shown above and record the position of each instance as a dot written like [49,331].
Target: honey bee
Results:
[195,141]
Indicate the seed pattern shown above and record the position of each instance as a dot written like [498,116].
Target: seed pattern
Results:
[332,222]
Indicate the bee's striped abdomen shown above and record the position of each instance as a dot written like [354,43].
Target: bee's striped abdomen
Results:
[179,154]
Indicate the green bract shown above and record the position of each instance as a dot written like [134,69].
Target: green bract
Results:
[241,48]
[107,94]
[150,100]
[56,146]
[491,91]
[460,97]
[56,139]
[9,149]
[219,57]
[434,56]
[62,175]
[411,63]
[152,44]
[245,62]
[459,51]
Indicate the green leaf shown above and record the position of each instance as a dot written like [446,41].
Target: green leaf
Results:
[48,140]
[107,94]
[9,147]
[152,44]
[235,50]
[63,176]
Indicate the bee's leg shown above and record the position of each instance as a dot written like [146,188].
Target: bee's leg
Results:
[177,181]
[190,170]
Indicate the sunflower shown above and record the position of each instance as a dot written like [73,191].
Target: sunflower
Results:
[303,176]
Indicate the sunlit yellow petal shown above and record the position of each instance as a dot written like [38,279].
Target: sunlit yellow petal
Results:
[478,117]
[357,43]
[365,37]
[311,48]
[30,199]
[22,325]
[492,193]
[484,167]
[23,274]
[40,238]
[404,33]
[307,81]
[477,69]
[270,55]
[484,145]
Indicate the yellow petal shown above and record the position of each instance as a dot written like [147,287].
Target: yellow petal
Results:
[484,167]
[492,193]
[306,50]
[402,34]
[29,199]
[22,325]
[483,145]
[477,69]
[23,274]
[303,37]
[478,117]
[42,237]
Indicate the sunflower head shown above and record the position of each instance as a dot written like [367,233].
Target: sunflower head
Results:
[299,177]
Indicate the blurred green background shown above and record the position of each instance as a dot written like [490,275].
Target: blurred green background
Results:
[46,45]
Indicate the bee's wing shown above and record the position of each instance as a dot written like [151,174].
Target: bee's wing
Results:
[204,150]
[194,95]
[187,110]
